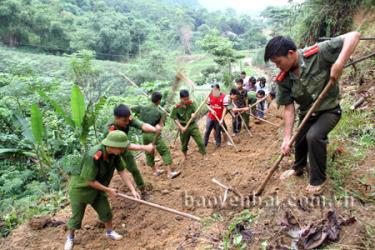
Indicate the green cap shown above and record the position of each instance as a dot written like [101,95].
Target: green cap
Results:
[116,139]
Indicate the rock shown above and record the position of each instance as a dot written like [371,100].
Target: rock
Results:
[164,192]
[179,218]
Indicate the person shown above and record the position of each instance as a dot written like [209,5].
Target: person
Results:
[90,187]
[234,111]
[216,102]
[181,114]
[251,84]
[261,106]
[242,102]
[152,115]
[244,78]
[123,120]
[304,73]
[261,85]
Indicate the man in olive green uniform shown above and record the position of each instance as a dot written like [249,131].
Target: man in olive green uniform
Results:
[152,115]
[123,121]
[181,113]
[304,73]
[91,185]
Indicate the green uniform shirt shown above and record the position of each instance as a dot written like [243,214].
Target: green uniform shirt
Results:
[251,97]
[92,169]
[183,113]
[135,123]
[315,74]
[150,114]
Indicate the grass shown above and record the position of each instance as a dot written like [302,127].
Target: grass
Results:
[353,137]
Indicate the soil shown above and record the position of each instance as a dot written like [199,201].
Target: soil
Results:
[149,228]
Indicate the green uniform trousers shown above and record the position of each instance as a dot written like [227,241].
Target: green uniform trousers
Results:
[192,131]
[246,118]
[161,147]
[100,204]
[131,166]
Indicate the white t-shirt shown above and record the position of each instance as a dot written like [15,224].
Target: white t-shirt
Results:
[265,89]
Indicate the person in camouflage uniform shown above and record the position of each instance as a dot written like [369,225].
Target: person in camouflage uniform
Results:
[90,186]
[152,115]
[304,74]
[181,114]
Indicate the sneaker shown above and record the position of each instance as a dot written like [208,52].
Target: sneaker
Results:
[229,143]
[69,243]
[113,235]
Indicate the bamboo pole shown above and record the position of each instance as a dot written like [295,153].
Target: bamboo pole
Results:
[160,207]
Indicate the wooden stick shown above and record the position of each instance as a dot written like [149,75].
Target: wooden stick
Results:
[360,59]
[196,111]
[167,209]
[143,92]
[315,105]
[368,38]
[263,120]
[225,131]
[259,101]
[214,180]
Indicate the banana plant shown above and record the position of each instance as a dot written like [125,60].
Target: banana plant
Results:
[39,136]
[82,117]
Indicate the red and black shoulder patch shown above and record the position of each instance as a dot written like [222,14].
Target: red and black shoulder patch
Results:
[98,155]
[112,128]
[311,51]
[281,76]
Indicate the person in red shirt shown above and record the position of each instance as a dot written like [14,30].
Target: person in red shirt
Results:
[216,102]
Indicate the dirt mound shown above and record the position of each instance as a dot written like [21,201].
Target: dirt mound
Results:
[38,223]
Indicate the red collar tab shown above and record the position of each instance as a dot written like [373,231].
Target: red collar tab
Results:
[98,155]
[112,128]
[281,76]
[311,51]
[180,104]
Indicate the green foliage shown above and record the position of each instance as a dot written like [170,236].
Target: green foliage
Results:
[235,241]
[220,47]
[350,141]
[77,103]
[37,125]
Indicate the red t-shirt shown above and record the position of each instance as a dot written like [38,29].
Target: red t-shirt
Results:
[217,104]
